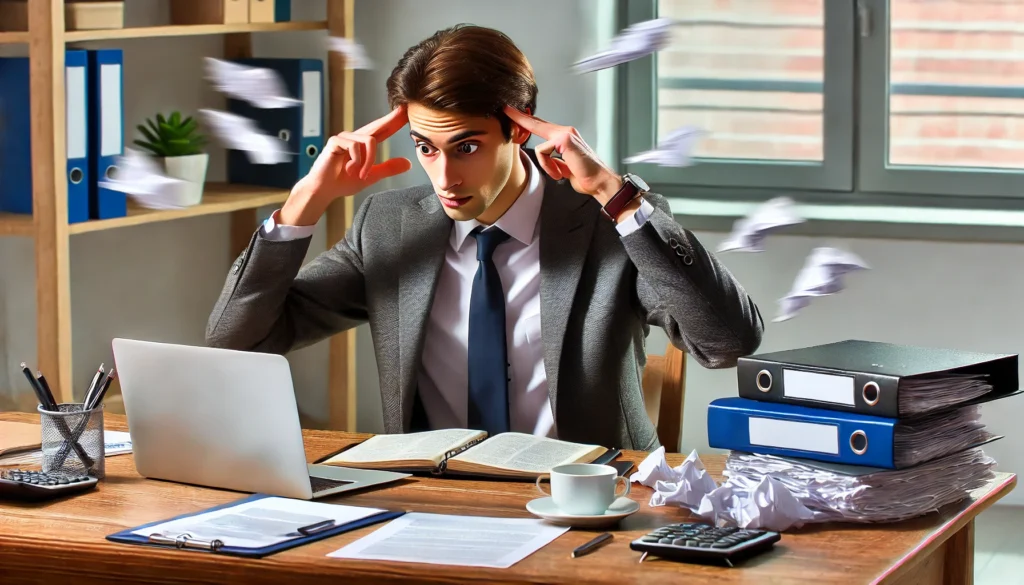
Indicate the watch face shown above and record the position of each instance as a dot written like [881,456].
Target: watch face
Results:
[640,184]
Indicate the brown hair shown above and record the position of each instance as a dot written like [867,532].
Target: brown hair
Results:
[466,69]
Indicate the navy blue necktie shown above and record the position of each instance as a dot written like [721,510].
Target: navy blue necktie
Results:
[488,354]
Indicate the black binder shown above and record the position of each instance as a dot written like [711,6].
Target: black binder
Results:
[868,377]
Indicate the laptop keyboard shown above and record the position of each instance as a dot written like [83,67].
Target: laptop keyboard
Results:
[320,484]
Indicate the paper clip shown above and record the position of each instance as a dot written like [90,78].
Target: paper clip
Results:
[186,540]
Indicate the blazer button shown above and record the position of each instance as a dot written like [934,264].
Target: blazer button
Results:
[236,267]
[687,259]
[673,242]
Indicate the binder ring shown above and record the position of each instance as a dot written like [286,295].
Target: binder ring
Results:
[284,134]
[76,175]
[871,393]
[311,151]
[762,385]
[859,442]
[111,172]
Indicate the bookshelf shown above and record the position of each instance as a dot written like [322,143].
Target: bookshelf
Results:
[48,225]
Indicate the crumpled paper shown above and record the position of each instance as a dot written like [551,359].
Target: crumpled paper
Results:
[769,505]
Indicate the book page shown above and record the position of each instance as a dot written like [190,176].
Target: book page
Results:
[524,452]
[425,446]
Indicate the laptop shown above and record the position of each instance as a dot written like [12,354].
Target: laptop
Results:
[222,418]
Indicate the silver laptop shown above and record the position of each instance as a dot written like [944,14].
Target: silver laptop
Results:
[222,418]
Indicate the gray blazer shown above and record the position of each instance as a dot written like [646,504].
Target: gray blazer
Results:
[599,295]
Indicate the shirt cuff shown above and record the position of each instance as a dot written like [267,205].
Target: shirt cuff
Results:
[277,232]
[635,221]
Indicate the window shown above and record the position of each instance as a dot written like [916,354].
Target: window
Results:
[858,97]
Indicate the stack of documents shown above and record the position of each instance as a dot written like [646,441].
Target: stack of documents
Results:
[858,494]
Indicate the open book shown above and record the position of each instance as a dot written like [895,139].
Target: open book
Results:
[463,451]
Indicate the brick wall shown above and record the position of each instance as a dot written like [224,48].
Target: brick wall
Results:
[960,42]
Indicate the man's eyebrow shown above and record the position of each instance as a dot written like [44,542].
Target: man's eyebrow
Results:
[457,138]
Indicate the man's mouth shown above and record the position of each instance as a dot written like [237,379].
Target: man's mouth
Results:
[453,202]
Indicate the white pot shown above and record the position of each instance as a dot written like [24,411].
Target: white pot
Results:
[191,168]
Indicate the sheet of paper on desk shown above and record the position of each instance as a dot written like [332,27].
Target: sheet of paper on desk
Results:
[258,523]
[115,443]
[453,540]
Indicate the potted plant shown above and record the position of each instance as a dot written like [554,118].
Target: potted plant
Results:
[179,145]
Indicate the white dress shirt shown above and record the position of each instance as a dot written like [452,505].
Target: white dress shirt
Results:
[443,377]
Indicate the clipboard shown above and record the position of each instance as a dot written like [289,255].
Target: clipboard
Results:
[188,543]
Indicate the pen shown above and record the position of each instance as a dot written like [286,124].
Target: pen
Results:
[41,388]
[317,527]
[592,545]
[98,396]
[46,389]
[92,386]
[37,388]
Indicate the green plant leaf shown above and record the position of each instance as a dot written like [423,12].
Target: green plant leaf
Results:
[156,150]
[149,136]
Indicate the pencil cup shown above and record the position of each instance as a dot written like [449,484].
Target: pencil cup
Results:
[73,440]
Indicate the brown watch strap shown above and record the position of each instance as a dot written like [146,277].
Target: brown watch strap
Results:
[621,199]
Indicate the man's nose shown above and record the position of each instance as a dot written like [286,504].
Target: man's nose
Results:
[447,179]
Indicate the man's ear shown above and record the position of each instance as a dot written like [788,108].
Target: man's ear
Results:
[519,134]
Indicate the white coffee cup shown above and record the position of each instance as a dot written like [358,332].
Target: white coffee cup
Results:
[584,489]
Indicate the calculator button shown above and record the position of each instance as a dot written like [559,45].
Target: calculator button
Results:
[649,539]
[665,541]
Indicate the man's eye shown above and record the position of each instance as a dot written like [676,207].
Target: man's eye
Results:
[467,148]
[424,148]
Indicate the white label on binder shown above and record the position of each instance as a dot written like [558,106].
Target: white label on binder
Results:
[820,387]
[111,133]
[787,434]
[75,112]
[311,99]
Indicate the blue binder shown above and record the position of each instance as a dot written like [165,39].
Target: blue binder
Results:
[301,127]
[282,10]
[788,430]
[106,131]
[126,536]
[16,137]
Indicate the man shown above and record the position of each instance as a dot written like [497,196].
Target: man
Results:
[498,298]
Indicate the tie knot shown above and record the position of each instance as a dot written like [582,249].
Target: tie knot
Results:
[487,241]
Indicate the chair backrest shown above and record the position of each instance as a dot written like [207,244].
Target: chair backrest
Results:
[664,384]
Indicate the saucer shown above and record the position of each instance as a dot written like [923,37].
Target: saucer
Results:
[546,509]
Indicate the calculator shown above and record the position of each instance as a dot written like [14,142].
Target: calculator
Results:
[20,484]
[693,542]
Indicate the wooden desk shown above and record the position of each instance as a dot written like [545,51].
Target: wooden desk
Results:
[64,541]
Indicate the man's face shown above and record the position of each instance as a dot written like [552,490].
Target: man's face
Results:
[467,158]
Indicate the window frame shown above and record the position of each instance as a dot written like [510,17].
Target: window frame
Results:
[874,173]
[637,129]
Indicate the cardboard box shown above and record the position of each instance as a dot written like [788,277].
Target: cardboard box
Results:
[209,11]
[77,15]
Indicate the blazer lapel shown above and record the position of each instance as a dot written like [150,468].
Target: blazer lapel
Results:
[425,233]
[566,227]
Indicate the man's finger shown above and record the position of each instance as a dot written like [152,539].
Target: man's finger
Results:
[543,152]
[386,125]
[531,123]
[388,168]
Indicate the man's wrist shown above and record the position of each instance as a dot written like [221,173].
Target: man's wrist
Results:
[299,209]
[607,188]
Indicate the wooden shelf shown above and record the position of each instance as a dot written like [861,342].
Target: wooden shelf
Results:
[217,198]
[188,30]
[13,224]
[11,38]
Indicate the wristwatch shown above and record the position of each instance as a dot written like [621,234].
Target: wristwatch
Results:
[632,187]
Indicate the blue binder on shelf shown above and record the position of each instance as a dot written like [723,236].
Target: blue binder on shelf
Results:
[787,430]
[106,130]
[16,136]
[301,127]
[282,10]
[188,542]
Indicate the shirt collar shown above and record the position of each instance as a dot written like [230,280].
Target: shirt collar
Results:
[520,221]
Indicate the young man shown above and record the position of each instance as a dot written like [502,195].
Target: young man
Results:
[515,291]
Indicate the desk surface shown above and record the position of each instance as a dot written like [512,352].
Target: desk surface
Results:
[45,540]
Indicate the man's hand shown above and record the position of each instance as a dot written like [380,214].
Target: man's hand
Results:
[579,164]
[345,167]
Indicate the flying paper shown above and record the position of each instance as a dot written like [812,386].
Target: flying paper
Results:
[139,177]
[821,275]
[675,150]
[239,133]
[636,41]
[748,234]
[259,86]
[355,54]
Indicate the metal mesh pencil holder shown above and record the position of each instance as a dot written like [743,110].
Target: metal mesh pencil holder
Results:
[73,440]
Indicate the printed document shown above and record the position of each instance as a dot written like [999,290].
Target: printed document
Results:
[258,523]
[453,540]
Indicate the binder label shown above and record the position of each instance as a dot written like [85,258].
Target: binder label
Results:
[786,434]
[75,112]
[311,99]
[819,387]
[111,134]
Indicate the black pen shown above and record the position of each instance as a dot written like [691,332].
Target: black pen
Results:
[37,388]
[46,388]
[92,386]
[592,545]
[316,527]
[98,397]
